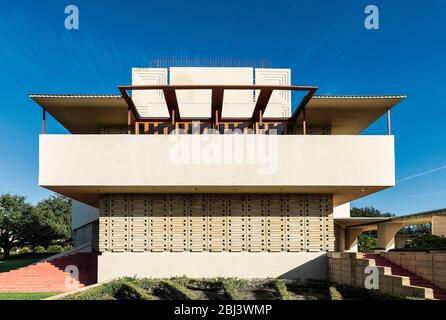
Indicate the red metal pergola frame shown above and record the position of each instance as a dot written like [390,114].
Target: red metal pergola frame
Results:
[216,101]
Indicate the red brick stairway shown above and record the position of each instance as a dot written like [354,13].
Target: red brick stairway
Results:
[398,271]
[50,276]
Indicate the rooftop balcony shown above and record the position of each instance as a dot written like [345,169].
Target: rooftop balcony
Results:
[215,130]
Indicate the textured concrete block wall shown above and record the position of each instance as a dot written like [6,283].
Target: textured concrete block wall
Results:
[216,223]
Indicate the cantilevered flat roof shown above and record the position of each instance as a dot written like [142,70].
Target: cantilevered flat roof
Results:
[84,113]
[366,223]
[349,114]
[87,113]
[419,217]
[371,223]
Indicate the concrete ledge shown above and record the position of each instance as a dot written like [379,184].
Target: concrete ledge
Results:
[302,265]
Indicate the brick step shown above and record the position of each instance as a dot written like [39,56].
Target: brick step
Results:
[42,271]
[38,289]
[413,278]
[37,286]
[50,276]
[43,280]
[45,274]
[21,290]
[27,285]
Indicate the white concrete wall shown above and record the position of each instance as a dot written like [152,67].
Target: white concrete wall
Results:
[197,103]
[300,265]
[207,160]
[82,214]
[342,211]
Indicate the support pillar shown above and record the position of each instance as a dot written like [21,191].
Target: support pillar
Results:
[386,234]
[129,120]
[351,239]
[389,125]
[43,121]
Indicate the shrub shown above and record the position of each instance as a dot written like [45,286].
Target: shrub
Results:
[281,288]
[366,242]
[175,291]
[104,291]
[335,294]
[24,250]
[230,287]
[130,291]
[147,284]
[54,248]
[199,283]
[39,249]
[427,242]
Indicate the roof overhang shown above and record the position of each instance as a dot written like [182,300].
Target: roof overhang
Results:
[348,115]
[364,223]
[84,113]
[371,223]
[90,194]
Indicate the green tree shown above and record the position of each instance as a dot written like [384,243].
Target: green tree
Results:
[366,242]
[428,242]
[50,221]
[368,212]
[416,230]
[14,211]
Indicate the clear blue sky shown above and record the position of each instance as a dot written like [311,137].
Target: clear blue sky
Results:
[324,42]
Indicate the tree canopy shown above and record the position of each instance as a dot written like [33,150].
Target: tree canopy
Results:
[368,212]
[14,211]
[49,221]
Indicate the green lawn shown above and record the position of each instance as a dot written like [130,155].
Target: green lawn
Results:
[21,260]
[26,295]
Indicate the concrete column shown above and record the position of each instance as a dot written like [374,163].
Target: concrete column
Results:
[439,226]
[351,239]
[340,238]
[386,234]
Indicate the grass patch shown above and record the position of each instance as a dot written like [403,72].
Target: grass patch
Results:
[21,260]
[26,295]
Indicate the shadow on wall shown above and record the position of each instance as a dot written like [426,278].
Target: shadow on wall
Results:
[309,270]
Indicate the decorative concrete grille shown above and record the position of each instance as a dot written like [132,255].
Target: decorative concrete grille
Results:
[216,222]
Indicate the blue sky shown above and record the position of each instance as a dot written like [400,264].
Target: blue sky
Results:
[324,42]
